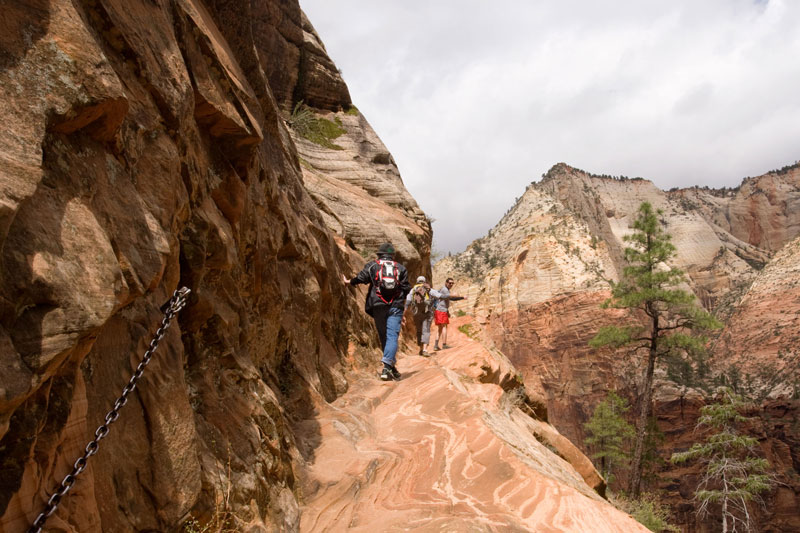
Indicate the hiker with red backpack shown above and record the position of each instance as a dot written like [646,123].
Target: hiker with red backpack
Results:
[388,287]
[421,305]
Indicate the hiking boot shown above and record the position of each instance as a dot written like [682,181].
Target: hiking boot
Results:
[423,353]
[445,346]
[394,373]
[436,347]
[386,374]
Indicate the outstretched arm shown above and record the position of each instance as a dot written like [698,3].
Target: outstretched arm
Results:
[364,277]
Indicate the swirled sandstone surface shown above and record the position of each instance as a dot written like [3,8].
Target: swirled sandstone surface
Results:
[447,448]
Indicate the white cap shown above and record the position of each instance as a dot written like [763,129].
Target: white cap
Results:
[421,279]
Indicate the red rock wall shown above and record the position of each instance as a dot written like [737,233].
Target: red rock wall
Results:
[548,343]
[774,424]
[143,149]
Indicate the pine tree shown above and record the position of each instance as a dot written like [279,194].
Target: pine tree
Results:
[668,317]
[608,432]
[734,476]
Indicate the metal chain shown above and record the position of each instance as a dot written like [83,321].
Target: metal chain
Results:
[171,308]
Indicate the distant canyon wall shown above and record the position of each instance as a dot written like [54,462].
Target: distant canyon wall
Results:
[561,244]
[535,283]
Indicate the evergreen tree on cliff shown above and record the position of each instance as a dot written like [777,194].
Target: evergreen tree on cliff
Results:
[734,475]
[608,432]
[668,320]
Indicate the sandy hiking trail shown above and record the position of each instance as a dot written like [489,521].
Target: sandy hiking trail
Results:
[442,450]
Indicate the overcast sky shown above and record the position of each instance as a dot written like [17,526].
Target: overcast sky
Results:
[476,99]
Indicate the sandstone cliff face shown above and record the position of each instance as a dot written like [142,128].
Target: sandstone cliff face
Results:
[536,281]
[563,239]
[145,148]
[361,195]
[762,211]
[762,336]
[715,261]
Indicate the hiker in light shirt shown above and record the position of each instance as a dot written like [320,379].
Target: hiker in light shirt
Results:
[441,313]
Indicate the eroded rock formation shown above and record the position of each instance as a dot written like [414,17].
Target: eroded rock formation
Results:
[562,241]
[144,147]
[763,211]
[361,195]
[763,333]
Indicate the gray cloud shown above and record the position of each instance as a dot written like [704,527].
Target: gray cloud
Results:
[477,99]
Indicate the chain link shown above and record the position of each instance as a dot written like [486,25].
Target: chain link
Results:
[170,309]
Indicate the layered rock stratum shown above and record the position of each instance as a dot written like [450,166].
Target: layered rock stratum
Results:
[360,194]
[535,282]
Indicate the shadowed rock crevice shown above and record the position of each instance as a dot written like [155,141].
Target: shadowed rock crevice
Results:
[18,441]
[139,52]
[100,121]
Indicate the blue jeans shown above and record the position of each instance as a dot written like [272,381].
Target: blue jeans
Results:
[387,320]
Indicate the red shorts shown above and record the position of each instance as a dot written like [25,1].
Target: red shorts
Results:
[441,317]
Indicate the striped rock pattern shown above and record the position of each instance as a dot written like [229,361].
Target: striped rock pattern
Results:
[443,450]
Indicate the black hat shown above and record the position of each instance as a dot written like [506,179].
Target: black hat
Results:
[386,249]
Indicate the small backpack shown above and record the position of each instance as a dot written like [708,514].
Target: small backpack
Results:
[420,300]
[386,280]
